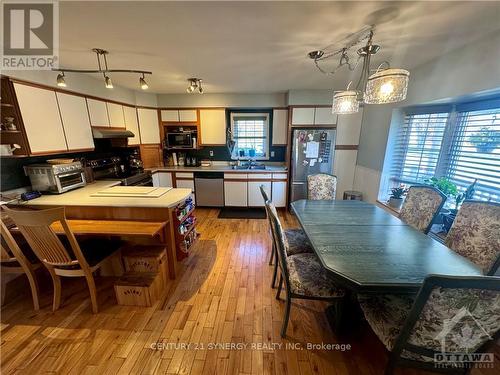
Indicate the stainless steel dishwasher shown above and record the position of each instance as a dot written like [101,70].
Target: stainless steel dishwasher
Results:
[209,187]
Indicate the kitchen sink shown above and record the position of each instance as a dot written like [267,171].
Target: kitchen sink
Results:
[247,167]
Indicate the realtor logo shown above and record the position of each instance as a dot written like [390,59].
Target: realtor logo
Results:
[30,35]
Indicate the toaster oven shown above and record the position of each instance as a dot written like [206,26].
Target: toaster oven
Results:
[56,178]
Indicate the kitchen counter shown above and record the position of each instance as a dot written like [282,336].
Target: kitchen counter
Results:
[82,197]
[219,168]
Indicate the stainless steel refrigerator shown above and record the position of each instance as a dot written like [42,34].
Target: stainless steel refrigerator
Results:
[313,151]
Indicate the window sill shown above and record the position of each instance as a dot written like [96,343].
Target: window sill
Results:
[388,208]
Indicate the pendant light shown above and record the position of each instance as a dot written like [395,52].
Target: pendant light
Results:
[387,86]
[345,102]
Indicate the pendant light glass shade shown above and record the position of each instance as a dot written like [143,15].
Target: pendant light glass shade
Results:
[387,86]
[345,102]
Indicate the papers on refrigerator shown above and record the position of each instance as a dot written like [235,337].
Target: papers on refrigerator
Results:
[312,150]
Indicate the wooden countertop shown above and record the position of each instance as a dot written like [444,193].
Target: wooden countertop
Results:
[82,197]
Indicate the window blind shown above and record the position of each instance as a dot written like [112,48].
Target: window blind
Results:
[418,147]
[475,152]
[250,133]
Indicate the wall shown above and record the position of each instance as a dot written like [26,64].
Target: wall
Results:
[222,100]
[458,73]
[310,97]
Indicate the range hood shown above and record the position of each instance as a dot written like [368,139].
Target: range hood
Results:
[111,133]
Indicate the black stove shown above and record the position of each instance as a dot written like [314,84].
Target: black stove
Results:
[112,168]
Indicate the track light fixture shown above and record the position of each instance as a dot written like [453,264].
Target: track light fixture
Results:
[101,54]
[195,84]
[60,80]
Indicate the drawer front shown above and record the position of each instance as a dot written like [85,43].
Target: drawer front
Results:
[259,176]
[280,176]
[235,176]
[183,175]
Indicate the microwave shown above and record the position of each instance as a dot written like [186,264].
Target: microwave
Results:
[56,178]
[180,139]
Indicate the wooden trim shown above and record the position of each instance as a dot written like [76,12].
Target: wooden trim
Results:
[81,149]
[346,147]
[236,179]
[184,179]
[42,153]
[310,106]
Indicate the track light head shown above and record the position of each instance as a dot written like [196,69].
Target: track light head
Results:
[194,83]
[143,83]
[107,82]
[61,82]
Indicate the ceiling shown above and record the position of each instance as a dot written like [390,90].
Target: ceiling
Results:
[259,47]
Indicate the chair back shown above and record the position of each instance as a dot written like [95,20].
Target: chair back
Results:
[279,239]
[475,234]
[9,249]
[421,206]
[264,193]
[35,227]
[451,315]
[321,186]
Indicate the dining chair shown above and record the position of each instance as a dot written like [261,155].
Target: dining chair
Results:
[302,274]
[475,234]
[421,207]
[63,256]
[449,315]
[297,240]
[16,261]
[321,186]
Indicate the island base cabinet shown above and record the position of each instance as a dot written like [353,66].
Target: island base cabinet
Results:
[279,193]
[255,196]
[236,193]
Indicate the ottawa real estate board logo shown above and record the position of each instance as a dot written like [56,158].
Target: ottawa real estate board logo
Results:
[30,35]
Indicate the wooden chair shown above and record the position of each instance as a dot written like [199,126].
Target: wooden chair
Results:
[297,241]
[475,234]
[416,330]
[72,260]
[421,207]
[321,186]
[14,261]
[303,274]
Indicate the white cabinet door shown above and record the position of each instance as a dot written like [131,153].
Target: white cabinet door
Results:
[170,115]
[254,195]
[213,126]
[303,116]
[280,126]
[324,116]
[131,123]
[148,124]
[165,179]
[185,184]
[188,115]
[116,117]
[98,112]
[41,119]
[156,179]
[235,193]
[76,123]
[279,193]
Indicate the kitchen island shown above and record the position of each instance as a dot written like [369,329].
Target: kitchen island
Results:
[83,203]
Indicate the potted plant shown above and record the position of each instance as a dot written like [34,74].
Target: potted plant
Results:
[449,218]
[486,140]
[446,186]
[396,197]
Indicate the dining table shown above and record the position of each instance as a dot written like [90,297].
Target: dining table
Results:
[365,249]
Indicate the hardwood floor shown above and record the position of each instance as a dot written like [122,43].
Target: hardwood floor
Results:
[223,296]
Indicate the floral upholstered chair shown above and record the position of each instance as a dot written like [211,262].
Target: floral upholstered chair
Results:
[449,315]
[303,275]
[421,206]
[297,240]
[475,234]
[321,186]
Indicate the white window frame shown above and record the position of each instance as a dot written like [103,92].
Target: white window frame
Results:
[234,155]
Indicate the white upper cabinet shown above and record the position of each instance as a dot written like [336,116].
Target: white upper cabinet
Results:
[324,116]
[280,126]
[188,115]
[41,119]
[116,117]
[303,116]
[75,120]
[148,125]
[131,123]
[181,115]
[213,126]
[98,112]
[169,115]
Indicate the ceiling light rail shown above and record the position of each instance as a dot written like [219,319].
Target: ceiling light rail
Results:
[101,55]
